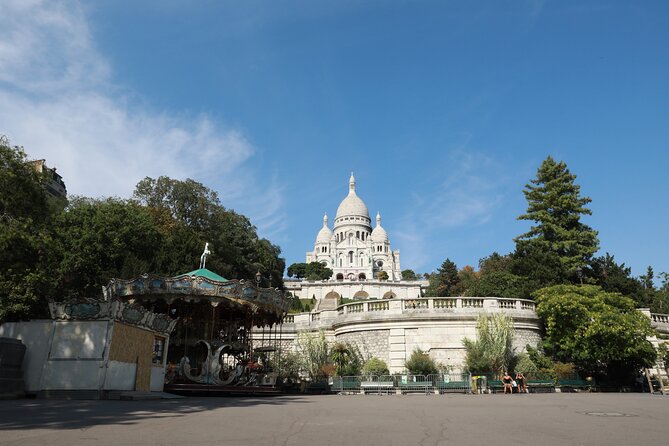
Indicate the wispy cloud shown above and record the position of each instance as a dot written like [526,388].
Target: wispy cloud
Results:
[58,99]
[467,195]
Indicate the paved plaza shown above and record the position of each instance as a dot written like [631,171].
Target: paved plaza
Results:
[536,419]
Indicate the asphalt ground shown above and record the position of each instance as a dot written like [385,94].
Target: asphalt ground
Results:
[535,419]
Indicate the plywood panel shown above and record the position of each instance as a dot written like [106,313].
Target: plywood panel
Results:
[135,346]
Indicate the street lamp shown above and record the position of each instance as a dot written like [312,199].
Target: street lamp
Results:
[258,277]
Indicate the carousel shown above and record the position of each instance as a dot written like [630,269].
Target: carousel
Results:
[212,348]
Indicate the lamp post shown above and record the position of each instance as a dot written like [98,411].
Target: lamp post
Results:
[258,277]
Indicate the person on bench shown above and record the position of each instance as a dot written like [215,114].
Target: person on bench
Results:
[506,380]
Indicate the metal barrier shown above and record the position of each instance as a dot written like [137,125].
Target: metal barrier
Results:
[405,383]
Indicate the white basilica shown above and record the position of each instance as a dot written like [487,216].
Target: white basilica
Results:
[353,250]
[356,253]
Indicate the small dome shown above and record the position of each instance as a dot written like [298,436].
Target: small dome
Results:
[379,235]
[324,235]
[352,204]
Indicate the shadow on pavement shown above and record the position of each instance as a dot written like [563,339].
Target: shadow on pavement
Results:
[79,414]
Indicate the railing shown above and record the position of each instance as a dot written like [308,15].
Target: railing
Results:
[527,305]
[507,304]
[422,306]
[472,303]
[378,306]
[413,304]
[660,318]
[445,303]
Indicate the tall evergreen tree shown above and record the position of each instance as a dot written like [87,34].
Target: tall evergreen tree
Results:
[555,204]
[445,281]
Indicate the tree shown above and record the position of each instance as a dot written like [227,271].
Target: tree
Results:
[191,214]
[600,332]
[314,354]
[27,252]
[297,270]
[556,206]
[408,274]
[347,359]
[317,271]
[420,363]
[382,275]
[491,351]
[444,281]
[375,367]
[499,284]
[615,278]
[103,239]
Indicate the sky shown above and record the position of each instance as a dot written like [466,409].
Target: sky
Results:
[444,110]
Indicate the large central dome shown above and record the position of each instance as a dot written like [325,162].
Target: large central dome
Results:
[352,205]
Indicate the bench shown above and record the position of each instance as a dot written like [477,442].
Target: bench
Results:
[342,386]
[416,386]
[495,386]
[377,387]
[574,385]
[540,386]
[452,386]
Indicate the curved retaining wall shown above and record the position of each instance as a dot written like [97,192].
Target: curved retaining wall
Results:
[391,329]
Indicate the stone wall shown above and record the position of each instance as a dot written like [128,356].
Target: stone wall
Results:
[372,344]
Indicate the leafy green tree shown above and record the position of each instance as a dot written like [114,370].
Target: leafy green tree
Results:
[420,363]
[445,281]
[347,359]
[491,351]
[600,332]
[375,367]
[382,275]
[467,278]
[614,277]
[191,214]
[555,204]
[313,353]
[408,274]
[297,270]
[499,284]
[317,271]
[495,263]
[28,255]
[103,239]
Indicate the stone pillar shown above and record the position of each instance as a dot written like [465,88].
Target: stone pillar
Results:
[397,353]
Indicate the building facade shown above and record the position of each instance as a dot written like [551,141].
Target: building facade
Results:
[352,249]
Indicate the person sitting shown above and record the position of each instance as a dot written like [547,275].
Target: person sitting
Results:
[507,381]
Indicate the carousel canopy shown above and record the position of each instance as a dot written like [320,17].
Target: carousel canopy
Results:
[203,272]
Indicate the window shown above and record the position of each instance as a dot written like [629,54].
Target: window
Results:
[158,349]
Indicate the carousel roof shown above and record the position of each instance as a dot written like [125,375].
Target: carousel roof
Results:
[198,285]
[203,272]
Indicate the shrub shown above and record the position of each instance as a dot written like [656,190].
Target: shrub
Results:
[375,366]
[420,363]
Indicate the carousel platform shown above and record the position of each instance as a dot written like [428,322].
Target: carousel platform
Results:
[213,390]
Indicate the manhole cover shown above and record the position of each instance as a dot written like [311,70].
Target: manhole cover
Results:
[609,414]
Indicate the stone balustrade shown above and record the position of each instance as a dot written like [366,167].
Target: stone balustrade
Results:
[660,322]
[382,309]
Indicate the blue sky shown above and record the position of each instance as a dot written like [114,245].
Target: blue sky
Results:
[443,109]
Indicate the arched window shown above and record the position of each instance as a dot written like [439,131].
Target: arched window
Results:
[350,257]
[357,234]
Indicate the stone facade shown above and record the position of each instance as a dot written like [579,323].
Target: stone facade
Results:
[392,329]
